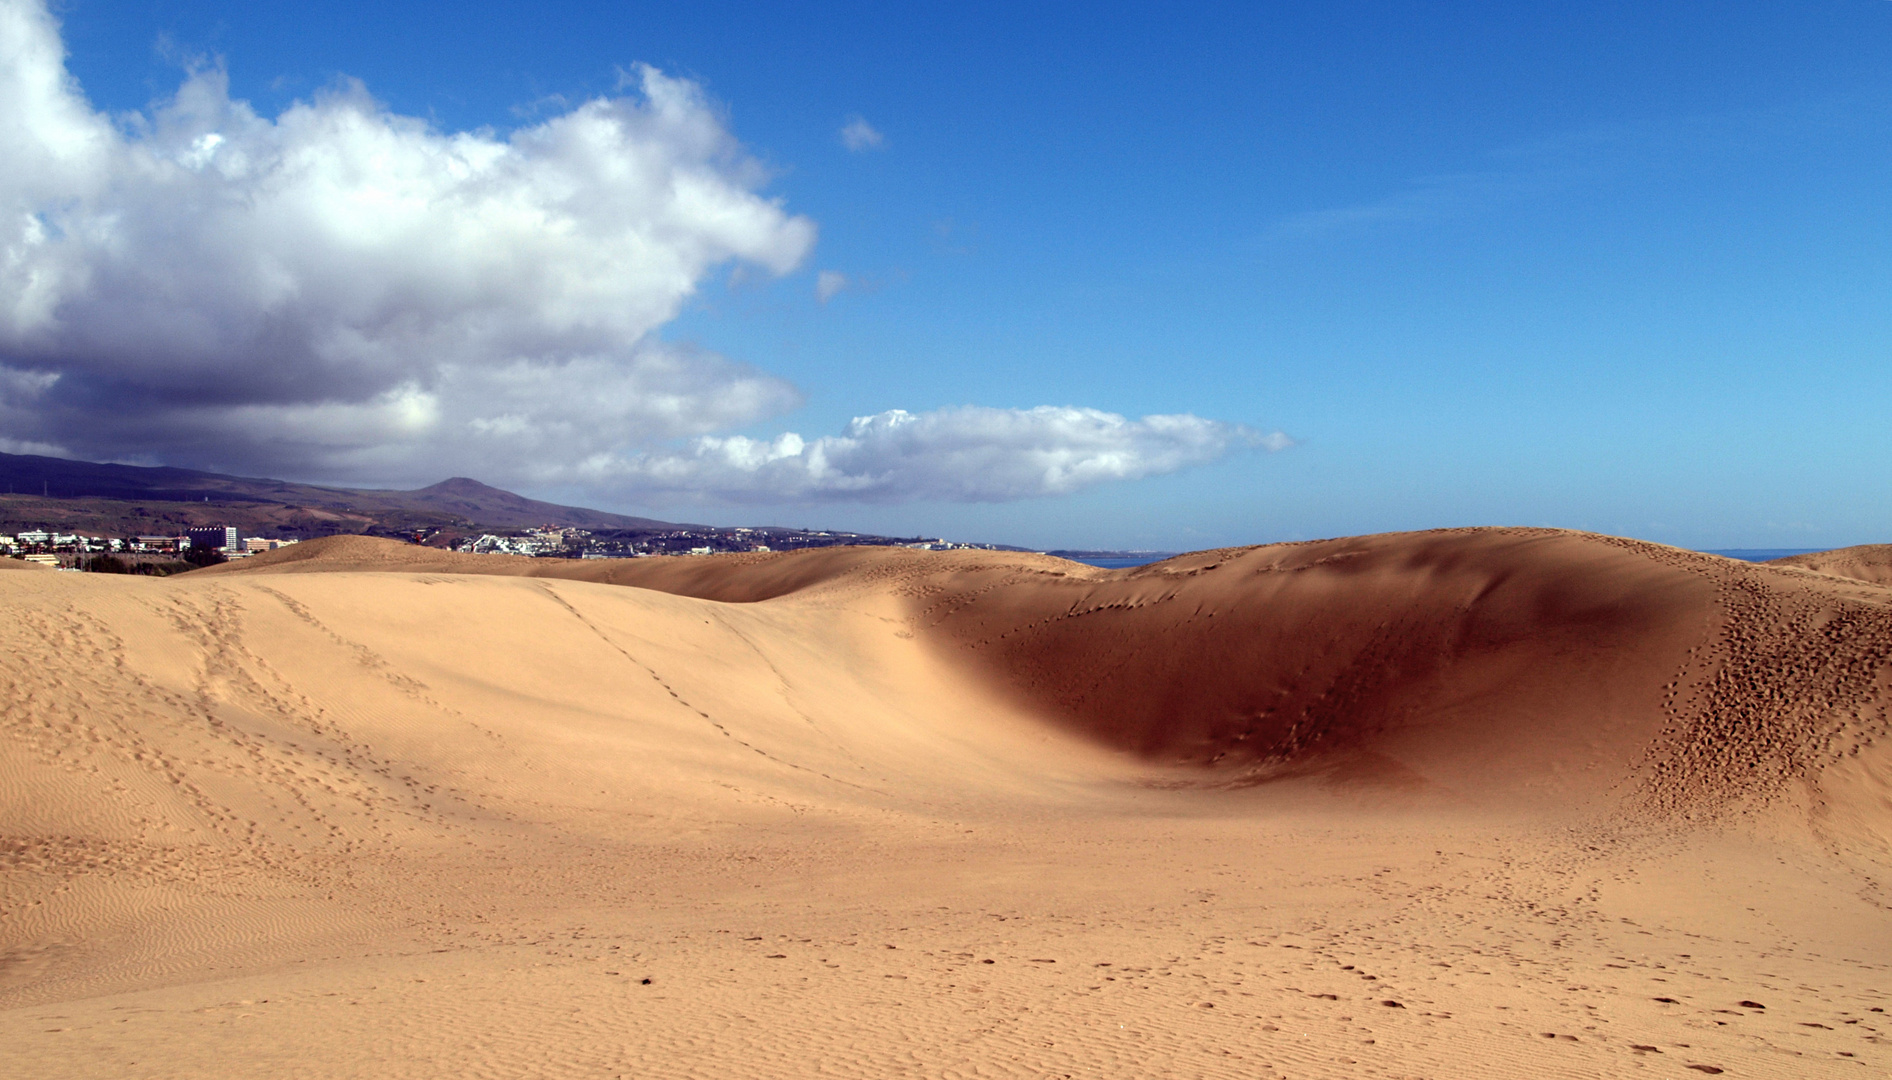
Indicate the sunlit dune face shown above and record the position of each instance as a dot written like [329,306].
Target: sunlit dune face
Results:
[1319,806]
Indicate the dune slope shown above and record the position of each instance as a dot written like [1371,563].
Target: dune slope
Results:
[1867,562]
[1461,803]
[1488,661]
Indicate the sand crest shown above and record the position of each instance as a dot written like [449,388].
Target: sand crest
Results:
[1867,562]
[1460,803]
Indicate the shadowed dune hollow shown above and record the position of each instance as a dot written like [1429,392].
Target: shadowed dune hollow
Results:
[1483,660]
[1455,803]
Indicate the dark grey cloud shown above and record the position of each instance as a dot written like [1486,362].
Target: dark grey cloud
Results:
[346,290]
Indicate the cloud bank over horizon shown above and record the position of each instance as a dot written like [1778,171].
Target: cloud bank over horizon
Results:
[965,454]
[346,293]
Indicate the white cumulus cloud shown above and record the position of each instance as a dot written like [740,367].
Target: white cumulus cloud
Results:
[345,290]
[966,454]
[343,293]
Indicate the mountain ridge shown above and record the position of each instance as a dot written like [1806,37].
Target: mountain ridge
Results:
[38,487]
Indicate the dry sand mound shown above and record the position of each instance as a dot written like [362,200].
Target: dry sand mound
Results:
[1460,803]
[1867,562]
[1484,661]
[1480,659]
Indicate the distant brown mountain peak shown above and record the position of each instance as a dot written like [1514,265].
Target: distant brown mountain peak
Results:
[464,486]
[46,488]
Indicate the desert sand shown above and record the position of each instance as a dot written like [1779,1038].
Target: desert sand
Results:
[1464,803]
[1867,562]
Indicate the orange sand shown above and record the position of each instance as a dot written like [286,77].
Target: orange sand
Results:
[1452,804]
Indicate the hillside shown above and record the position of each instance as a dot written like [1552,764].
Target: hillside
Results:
[128,499]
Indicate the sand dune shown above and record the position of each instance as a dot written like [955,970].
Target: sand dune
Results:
[1459,803]
[1484,660]
[1867,562]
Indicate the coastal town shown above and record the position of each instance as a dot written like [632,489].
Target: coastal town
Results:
[83,551]
[173,552]
[574,543]
[115,518]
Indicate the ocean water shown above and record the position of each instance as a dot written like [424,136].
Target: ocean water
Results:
[1744,554]
[1763,554]
[1119,564]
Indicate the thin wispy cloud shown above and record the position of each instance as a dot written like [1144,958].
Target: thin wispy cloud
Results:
[1424,199]
[830,284]
[858,135]
[1547,167]
[1529,170]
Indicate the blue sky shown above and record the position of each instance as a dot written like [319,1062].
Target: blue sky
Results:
[1619,267]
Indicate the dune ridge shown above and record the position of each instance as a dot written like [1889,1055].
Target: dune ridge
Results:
[1866,562]
[1458,803]
[1499,651]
